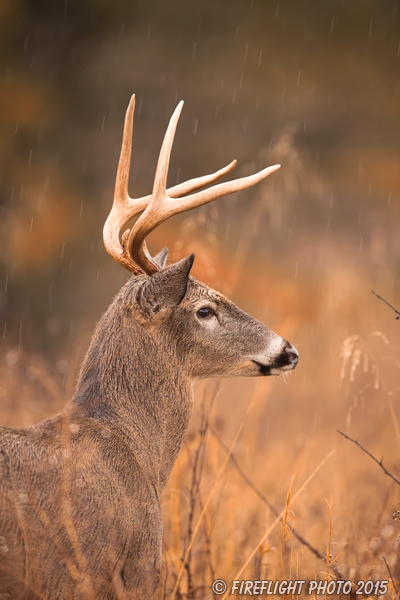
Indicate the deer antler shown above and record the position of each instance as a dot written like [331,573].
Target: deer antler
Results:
[132,252]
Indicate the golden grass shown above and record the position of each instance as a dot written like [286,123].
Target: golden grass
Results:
[344,509]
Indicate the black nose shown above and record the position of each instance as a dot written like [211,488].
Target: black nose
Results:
[292,354]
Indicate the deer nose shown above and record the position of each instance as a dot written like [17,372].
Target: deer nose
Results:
[292,354]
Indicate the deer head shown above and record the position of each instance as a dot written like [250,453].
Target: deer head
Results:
[204,331]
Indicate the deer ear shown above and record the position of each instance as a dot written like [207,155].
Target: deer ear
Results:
[166,288]
[161,257]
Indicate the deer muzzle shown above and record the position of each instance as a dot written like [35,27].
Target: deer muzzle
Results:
[285,360]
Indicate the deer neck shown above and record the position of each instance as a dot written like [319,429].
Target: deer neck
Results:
[134,388]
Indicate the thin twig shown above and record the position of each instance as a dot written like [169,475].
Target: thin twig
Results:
[391,577]
[379,462]
[386,302]
[197,471]
[274,511]
[195,494]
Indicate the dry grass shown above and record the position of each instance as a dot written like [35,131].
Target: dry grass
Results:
[344,511]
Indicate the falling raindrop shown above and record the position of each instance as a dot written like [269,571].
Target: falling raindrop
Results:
[62,366]
[50,302]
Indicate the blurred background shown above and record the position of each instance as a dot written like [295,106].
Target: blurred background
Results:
[314,86]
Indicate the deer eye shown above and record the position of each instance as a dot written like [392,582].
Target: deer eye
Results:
[205,312]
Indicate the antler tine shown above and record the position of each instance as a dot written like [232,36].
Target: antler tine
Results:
[160,180]
[124,207]
[154,213]
[121,184]
[222,189]
[194,184]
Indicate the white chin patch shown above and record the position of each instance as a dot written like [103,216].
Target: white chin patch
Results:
[277,372]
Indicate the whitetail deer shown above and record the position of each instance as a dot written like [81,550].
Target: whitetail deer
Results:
[80,515]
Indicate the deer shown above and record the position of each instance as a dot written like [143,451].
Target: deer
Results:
[80,514]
